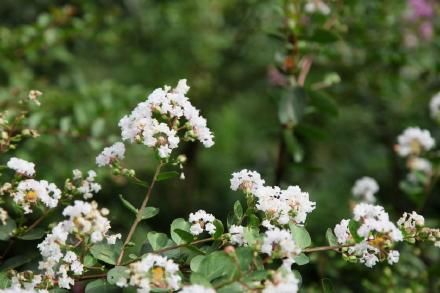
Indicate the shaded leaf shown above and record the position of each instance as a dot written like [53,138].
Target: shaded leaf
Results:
[128,205]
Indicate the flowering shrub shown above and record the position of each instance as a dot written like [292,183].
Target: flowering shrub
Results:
[258,249]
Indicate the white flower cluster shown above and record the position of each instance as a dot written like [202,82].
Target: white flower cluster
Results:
[413,227]
[22,167]
[85,187]
[317,6]
[247,181]
[364,189]
[420,165]
[85,221]
[26,281]
[3,216]
[196,289]
[152,272]
[377,232]
[279,243]
[157,121]
[413,141]
[201,221]
[434,106]
[111,154]
[280,206]
[282,281]
[30,192]
[237,235]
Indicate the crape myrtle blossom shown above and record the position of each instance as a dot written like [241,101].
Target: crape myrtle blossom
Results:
[413,141]
[413,227]
[317,6]
[27,281]
[196,289]
[376,232]
[247,181]
[282,281]
[279,206]
[3,216]
[85,221]
[201,221]
[83,186]
[157,121]
[152,272]
[29,192]
[237,235]
[420,164]
[22,167]
[279,243]
[111,154]
[364,189]
[434,106]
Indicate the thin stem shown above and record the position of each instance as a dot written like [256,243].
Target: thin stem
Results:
[95,276]
[325,248]
[37,221]
[138,218]
[173,247]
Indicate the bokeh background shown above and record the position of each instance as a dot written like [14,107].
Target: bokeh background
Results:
[95,60]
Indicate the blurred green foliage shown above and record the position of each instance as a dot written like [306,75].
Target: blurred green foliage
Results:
[95,60]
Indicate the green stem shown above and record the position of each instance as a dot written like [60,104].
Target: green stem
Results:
[138,218]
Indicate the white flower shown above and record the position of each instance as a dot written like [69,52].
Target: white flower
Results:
[279,243]
[30,191]
[375,219]
[237,235]
[21,166]
[299,203]
[313,6]
[110,154]
[393,257]
[365,188]
[196,289]
[413,141]
[282,281]
[33,96]
[420,164]
[409,221]
[342,232]
[246,180]
[366,253]
[3,216]
[157,121]
[86,187]
[434,106]
[150,272]
[201,221]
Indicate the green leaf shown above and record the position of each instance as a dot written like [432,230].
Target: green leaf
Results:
[235,287]
[195,262]
[300,235]
[293,145]
[167,175]
[353,226]
[7,229]
[322,36]
[197,278]
[217,264]
[107,253]
[179,224]
[128,205]
[245,256]
[99,286]
[157,240]
[238,209]
[331,238]
[89,260]
[291,106]
[17,261]
[301,259]
[251,235]
[5,281]
[218,229]
[184,235]
[253,221]
[149,212]
[36,233]
[117,273]
[323,102]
